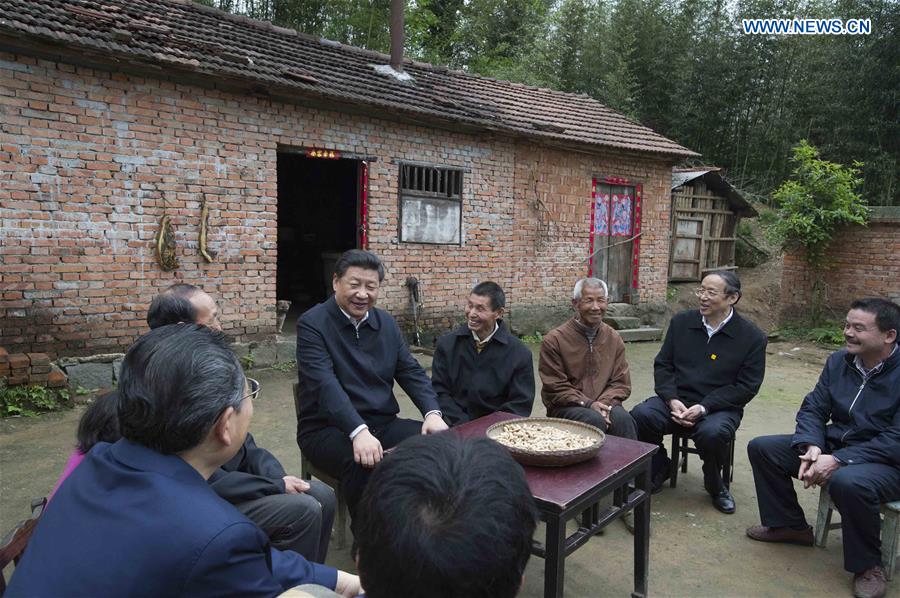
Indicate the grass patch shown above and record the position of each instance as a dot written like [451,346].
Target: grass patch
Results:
[829,334]
[533,339]
[285,366]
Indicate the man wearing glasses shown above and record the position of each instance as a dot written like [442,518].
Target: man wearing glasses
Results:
[296,515]
[710,366]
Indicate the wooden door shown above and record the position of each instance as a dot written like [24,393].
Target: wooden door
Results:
[613,238]
[687,249]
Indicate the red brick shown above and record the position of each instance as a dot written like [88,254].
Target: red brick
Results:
[56,379]
[38,359]
[19,361]
[4,356]
[37,378]
[15,379]
[40,369]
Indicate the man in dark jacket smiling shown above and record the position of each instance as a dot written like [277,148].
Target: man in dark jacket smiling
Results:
[857,454]
[480,367]
[348,355]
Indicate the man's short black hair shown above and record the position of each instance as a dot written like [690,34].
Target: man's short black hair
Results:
[176,381]
[99,422]
[731,280]
[172,306]
[492,291]
[442,517]
[359,258]
[887,313]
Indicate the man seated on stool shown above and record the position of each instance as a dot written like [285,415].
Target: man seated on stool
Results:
[710,366]
[296,515]
[443,516]
[857,455]
[582,365]
[137,517]
[480,367]
[348,355]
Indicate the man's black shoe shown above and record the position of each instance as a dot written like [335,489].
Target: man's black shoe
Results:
[658,480]
[723,501]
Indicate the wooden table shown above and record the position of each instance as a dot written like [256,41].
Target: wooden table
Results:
[562,493]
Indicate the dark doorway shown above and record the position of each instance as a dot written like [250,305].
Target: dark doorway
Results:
[318,211]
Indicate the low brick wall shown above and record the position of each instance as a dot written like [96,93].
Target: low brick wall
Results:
[29,368]
[863,262]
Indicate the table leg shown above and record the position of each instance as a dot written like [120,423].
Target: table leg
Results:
[642,535]
[554,557]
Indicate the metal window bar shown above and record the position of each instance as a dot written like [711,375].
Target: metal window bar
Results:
[431,181]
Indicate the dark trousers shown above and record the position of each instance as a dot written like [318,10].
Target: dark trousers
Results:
[857,491]
[332,451]
[710,435]
[299,522]
[622,422]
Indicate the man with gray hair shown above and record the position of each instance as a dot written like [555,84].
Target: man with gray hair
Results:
[583,368]
[710,366]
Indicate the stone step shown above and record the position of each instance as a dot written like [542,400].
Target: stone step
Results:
[623,322]
[641,334]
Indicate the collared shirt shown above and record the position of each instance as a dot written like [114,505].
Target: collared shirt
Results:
[866,373]
[356,324]
[712,330]
[481,344]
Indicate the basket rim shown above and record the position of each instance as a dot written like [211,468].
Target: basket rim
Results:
[558,453]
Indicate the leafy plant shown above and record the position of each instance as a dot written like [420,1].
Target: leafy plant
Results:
[285,366]
[829,333]
[671,293]
[29,400]
[819,197]
[533,339]
[81,391]
[247,361]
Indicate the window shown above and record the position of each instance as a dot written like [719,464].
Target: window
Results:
[430,204]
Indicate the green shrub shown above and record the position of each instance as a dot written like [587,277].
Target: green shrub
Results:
[31,400]
[533,339]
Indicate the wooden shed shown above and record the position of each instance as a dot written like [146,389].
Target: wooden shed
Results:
[706,210]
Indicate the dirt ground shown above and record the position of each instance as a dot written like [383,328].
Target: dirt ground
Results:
[695,550]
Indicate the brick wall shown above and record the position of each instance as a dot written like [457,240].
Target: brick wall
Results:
[865,262]
[90,161]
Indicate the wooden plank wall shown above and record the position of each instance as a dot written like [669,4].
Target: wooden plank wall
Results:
[695,201]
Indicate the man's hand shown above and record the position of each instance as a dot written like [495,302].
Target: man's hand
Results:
[679,412]
[433,423]
[294,485]
[348,585]
[691,415]
[807,460]
[366,449]
[823,468]
[604,410]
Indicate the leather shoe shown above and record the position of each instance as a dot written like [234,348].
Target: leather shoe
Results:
[658,480]
[870,583]
[723,501]
[785,535]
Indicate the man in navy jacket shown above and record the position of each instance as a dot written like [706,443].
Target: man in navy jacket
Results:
[710,366]
[480,367]
[857,454]
[348,355]
[137,517]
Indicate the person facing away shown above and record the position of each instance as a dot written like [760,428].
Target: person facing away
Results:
[349,353]
[296,514]
[137,517]
[710,366]
[848,439]
[582,365]
[480,367]
[466,517]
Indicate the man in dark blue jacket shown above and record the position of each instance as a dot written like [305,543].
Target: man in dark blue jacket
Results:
[480,367]
[137,517]
[348,355]
[857,455]
[710,366]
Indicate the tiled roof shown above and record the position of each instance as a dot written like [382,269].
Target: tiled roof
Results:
[179,35]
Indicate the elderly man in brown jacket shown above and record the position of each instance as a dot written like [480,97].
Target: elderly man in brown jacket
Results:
[582,366]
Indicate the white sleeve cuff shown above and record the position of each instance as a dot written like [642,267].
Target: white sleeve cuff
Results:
[437,411]
[358,429]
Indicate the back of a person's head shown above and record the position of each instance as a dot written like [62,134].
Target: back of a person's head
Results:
[176,381]
[172,306]
[99,422]
[445,518]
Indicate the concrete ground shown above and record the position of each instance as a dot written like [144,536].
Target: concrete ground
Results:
[695,550]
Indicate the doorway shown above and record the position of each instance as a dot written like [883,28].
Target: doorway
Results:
[319,201]
[615,228]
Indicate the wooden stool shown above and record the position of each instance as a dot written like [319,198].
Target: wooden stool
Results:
[14,543]
[308,471]
[890,528]
[680,451]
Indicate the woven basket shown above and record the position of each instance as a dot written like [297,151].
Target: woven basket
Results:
[552,458]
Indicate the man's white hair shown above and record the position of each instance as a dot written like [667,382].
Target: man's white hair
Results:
[591,283]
